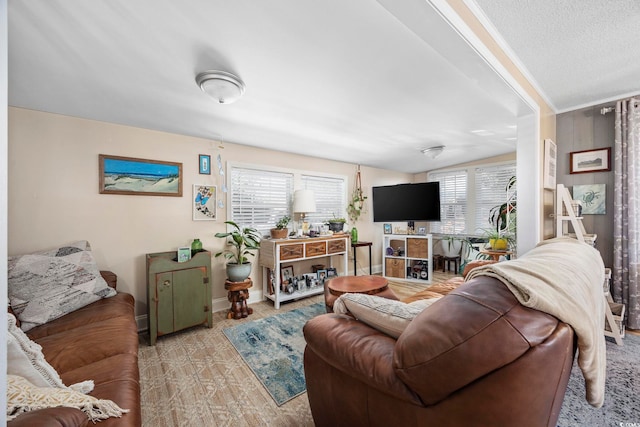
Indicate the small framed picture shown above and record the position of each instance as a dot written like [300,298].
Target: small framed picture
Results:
[387,229]
[286,274]
[205,164]
[184,254]
[598,160]
[322,274]
[331,272]
[422,230]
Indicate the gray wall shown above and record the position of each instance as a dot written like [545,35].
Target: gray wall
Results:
[586,129]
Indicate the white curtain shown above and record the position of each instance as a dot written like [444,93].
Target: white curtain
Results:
[626,223]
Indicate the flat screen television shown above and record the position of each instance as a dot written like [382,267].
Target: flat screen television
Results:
[407,202]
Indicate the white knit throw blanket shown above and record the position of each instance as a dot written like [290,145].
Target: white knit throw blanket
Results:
[22,396]
[563,277]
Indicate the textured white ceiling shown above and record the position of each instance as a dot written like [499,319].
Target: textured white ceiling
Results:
[580,52]
[372,82]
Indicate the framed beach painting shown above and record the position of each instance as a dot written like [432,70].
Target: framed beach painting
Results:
[204,202]
[140,177]
[204,161]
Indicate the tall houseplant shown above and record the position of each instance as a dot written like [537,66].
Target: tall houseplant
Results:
[244,242]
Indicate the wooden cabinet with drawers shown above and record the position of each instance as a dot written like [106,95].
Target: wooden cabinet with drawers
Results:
[407,257]
[276,252]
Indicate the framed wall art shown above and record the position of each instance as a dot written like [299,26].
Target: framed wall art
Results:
[204,202]
[140,177]
[598,160]
[204,161]
[387,229]
[592,197]
[550,158]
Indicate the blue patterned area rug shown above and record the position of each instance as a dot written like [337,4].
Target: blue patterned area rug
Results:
[273,348]
[622,390]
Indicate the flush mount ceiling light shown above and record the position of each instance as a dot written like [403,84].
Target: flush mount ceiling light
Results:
[434,151]
[224,87]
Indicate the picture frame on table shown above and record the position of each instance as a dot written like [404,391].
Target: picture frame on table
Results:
[184,254]
[322,275]
[387,229]
[204,161]
[331,272]
[598,160]
[286,273]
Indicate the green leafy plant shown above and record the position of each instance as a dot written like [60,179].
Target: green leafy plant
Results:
[245,242]
[356,205]
[337,220]
[450,242]
[498,214]
[283,222]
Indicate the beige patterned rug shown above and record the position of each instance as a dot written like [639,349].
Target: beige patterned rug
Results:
[196,377]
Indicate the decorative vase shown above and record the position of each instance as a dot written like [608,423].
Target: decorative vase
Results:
[196,246]
[451,248]
[354,235]
[238,272]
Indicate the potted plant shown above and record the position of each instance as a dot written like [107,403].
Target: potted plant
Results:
[503,216]
[336,224]
[498,241]
[244,242]
[280,231]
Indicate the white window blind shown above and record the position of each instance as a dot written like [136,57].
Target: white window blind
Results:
[453,202]
[490,191]
[330,197]
[259,198]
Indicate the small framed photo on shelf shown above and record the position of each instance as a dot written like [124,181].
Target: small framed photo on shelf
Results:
[205,164]
[387,229]
[422,230]
[322,275]
[331,272]
[184,254]
[286,274]
[598,160]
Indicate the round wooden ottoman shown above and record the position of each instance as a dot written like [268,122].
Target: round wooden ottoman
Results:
[372,285]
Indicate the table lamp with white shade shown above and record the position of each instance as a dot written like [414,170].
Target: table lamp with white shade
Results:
[304,202]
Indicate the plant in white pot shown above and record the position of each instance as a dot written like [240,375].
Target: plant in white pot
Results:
[244,242]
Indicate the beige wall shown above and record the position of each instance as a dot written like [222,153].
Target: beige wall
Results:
[54,198]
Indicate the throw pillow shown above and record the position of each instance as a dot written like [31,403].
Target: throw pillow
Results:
[22,396]
[388,316]
[49,284]
[25,358]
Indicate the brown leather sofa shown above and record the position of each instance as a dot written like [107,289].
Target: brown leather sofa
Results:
[98,342]
[477,357]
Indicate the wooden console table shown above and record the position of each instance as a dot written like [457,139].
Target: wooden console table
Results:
[276,253]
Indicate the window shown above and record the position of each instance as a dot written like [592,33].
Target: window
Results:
[467,196]
[330,197]
[453,202]
[491,184]
[259,196]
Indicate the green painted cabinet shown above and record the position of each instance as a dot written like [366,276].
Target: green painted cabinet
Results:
[178,293]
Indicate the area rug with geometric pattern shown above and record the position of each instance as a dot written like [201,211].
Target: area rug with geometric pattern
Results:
[273,348]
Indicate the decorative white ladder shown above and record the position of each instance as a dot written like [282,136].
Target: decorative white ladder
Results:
[565,211]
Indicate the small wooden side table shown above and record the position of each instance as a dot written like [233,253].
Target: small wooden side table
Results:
[358,244]
[447,263]
[371,285]
[495,255]
[238,296]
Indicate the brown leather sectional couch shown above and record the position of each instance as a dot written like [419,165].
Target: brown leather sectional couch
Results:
[475,358]
[98,342]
